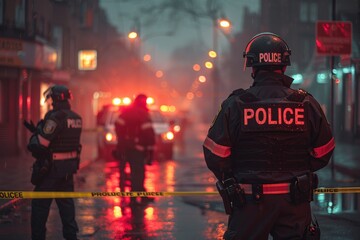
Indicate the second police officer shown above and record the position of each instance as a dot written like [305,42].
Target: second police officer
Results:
[265,145]
[136,139]
[55,144]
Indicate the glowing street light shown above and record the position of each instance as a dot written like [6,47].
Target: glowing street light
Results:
[190,95]
[196,67]
[209,65]
[202,79]
[159,74]
[147,57]
[212,54]
[132,35]
[224,23]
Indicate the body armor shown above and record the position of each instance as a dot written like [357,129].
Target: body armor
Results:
[64,140]
[279,117]
[258,146]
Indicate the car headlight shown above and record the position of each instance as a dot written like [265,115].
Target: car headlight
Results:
[168,136]
[109,137]
[176,128]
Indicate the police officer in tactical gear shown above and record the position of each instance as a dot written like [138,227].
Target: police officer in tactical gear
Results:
[136,140]
[265,145]
[56,146]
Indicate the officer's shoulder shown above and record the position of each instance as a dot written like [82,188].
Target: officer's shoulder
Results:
[298,95]
[59,114]
[77,115]
[244,95]
[237,92]
[233,95]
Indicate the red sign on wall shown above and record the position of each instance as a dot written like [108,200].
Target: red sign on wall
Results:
[333,37]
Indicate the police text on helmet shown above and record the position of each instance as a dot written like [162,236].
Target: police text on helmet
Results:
[269,57]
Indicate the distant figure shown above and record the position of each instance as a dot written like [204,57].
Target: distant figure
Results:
[55,144]
[100,121]
[264,147]
[136,140]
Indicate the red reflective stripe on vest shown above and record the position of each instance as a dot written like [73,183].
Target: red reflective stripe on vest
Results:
[43,141]
[324,149]
[217,149]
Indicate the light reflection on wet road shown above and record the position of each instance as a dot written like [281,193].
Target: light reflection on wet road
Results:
[194,217]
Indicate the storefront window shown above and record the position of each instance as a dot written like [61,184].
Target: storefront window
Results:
[20,14]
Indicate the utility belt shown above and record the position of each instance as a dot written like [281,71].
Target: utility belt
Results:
[233,193]
[260,189]
[65,155]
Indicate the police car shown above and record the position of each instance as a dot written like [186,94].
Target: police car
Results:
[107,138]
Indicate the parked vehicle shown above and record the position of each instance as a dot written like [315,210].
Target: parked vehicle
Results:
[107,138]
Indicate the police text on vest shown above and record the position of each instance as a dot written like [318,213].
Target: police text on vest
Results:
[74,123]
[274,116]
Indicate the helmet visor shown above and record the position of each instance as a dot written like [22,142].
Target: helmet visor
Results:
[47,94]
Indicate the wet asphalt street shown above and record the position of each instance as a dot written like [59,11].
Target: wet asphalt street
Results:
[171,217]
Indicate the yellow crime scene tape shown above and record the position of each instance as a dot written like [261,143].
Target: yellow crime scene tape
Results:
[30,194]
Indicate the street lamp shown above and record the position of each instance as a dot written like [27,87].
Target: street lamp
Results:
[147,57]
[212,54]
[132,35]
[134,41]
[225,25]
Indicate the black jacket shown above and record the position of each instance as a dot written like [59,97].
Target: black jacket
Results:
[268,133]
[58,139]
[134,129]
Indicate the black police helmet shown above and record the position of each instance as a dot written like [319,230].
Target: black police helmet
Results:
[267,49]
[140,100]
[58,93]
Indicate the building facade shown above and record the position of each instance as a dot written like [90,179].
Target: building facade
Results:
[39,45]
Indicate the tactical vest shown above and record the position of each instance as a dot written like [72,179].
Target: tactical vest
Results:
[132,133]
[274,134]
[67,140]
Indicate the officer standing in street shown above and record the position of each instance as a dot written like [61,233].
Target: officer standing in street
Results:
[55,144]
[136,140]
[265,145]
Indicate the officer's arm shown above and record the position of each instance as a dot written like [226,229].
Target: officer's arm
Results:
[49,130]
[148,132]
[217,145]
[323,142]
[40,141]
[120,125]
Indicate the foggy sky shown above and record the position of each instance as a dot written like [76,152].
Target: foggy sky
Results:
[124,15]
